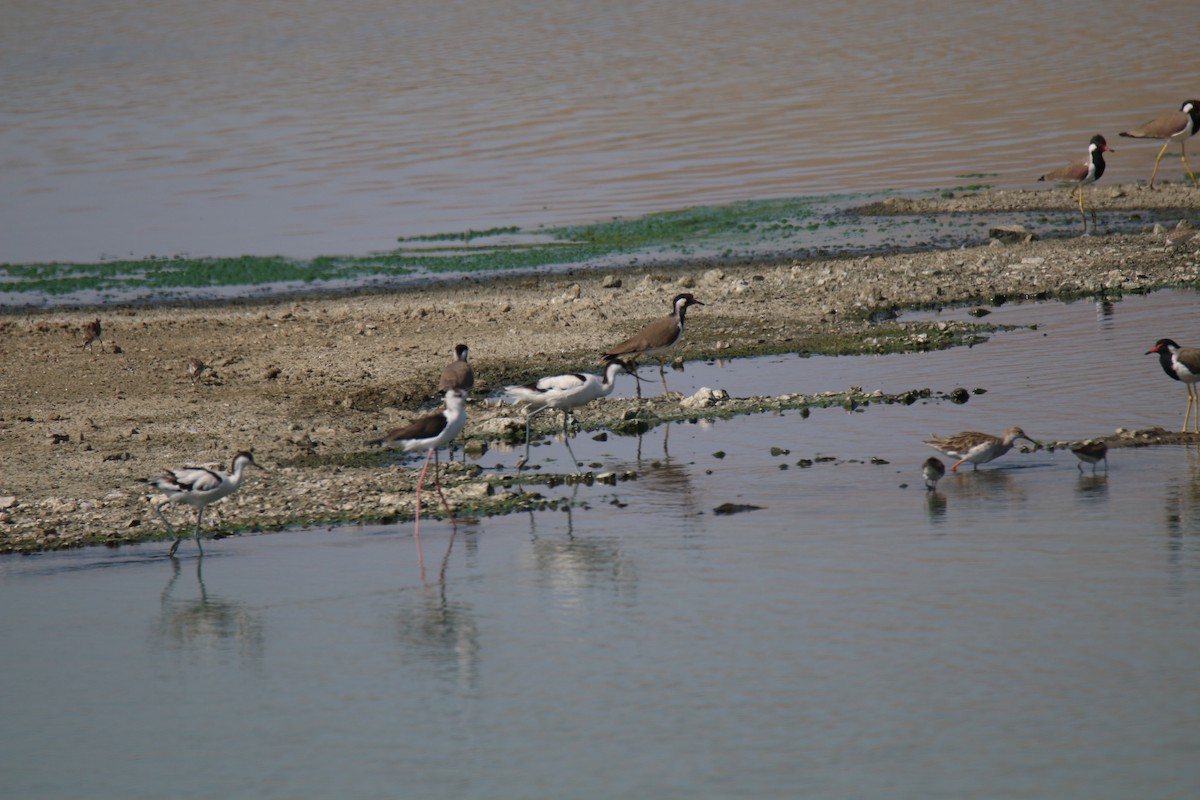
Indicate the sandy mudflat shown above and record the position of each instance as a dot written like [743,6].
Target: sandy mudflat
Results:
[322,375]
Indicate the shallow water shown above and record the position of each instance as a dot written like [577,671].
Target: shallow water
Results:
[135,128]
[1026,631]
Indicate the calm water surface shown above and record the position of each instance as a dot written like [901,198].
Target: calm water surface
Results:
[1026,631]
[136,128]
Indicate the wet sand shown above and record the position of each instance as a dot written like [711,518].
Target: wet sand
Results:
[306,383]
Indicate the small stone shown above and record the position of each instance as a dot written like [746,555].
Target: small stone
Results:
[1011,234]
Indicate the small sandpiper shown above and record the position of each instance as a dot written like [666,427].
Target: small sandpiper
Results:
[933,469]
[1091,452]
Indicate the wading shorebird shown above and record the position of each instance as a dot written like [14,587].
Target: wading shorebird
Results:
[430,433]
[1182,364]
[458,373]
[932,470]
[977,448]
[1082,172]
[198,487]
[1174,126]
[655,339]
[1091,452]
[565,393]
[91,333]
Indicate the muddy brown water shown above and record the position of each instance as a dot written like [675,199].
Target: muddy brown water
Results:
[1027,630]
[137,129]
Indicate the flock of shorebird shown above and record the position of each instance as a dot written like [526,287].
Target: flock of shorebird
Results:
[1180,363]
[199,487]
[1173,126]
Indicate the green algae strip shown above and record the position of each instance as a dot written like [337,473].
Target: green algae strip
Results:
[683,232]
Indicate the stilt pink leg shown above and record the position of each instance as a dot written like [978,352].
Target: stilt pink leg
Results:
[437,481]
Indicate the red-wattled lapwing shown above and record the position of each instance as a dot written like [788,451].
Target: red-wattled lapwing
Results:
[1082,172]
[655,338]
[977,448]
[1091,452]
[932,470]
[198,487]
[430,432]
[91,333]
[1175,126]
[458,373]
[565,393]
[1182,364]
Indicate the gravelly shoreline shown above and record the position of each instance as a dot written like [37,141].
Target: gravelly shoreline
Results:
[305,383]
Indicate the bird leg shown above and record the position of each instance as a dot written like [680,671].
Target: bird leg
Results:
[1160,155]
[437,481]
[523,460]
[1183,155]
[158,510]
[662,373]
[567,439]
[1193,401]
[199,519]
[1083,214]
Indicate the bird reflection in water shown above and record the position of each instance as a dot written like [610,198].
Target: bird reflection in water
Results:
[935,506]
[569,565]
[200,621]
[439,631]
[1182,498]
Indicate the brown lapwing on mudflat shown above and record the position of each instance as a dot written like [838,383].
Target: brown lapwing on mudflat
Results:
[1174,126]
[198,487]
[91,333]
[1081,173]
[1182,364]
[564,392]
[977,448]
[656,338]
[1091,452]
[430,432]
[458,373]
